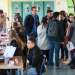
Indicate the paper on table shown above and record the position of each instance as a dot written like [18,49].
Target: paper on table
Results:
[10,50]
[70,47]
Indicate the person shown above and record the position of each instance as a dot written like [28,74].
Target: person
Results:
[35,60]
[49,14]
[49,19]
[55,42]
[2,22]
[18,20]
[31,23]
[71,39]
[64,22]
[41,32]
[7,17]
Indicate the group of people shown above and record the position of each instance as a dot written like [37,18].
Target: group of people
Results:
[41,41]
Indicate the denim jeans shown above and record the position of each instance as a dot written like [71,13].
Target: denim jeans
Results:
[54,45]
[33,35]
[30,71]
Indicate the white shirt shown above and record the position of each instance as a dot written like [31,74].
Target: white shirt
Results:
[42,38]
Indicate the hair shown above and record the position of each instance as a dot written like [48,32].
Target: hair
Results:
[32,39]
[33,8]
[48,11]
[18,17]
[55,14]
[44,21]
[17,29]
[65,29]
[18,14]
[50,18]
[1,11]
[71,14]
[63,13]
[15,24]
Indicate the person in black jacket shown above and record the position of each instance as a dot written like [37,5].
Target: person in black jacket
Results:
[35,58]
[31,23]
[64,22]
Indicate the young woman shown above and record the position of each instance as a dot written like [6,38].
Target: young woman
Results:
[42,38]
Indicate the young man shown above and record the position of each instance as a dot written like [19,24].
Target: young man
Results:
[55,42]
[64,22]
[2,22]
[49,13]
[31,23]
[35,58]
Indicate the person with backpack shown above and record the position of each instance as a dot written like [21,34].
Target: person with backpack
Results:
[55,35]
[31,23]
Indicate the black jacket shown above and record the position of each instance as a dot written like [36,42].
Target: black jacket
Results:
[28,23]
[64,22]
[36,57]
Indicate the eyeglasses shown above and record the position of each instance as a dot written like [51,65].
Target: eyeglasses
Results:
[72,17]
[34,10]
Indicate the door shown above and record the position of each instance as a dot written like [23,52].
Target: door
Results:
[16,8]
[26,9]
[48,6]
[39,6]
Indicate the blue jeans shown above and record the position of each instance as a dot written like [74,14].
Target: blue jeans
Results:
[54,45]
[33,35]
[30,71]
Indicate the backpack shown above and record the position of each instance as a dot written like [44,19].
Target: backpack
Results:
[53,29]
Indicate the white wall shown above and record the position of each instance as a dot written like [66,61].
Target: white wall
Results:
[62,6]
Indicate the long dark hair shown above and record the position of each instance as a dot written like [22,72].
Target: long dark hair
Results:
[44,21]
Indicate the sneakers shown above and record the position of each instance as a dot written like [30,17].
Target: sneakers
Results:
[61,59]
[58,67]
[66,61]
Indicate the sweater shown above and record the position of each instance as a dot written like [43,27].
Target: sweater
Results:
[42,38]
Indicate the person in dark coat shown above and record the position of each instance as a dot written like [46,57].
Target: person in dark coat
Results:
[35,60]
[31,23]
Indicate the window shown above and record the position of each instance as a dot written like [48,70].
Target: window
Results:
[16,9]
[38,9]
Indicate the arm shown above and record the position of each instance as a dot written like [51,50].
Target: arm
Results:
[26,25]
[61,30]
[35,58]
[71,33]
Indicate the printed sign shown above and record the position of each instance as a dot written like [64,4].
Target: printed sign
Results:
[58,3]
[48,4]
[26,5]
[16,5]
[38,5]
[1,6]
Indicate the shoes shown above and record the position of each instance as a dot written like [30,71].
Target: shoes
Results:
[66,61]
[58,67]
[61,59]
[51,67]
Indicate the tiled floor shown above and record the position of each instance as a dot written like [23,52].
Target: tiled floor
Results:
[64,71]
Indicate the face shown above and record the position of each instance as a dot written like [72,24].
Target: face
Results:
[71,18]
[49,14]
[30,44]
[1,14]
[34,11]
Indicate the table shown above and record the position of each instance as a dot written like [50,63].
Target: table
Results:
[18,66]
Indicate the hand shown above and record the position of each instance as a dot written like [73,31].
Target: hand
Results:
[62,42]
[31,33]
[68,42]
[2,32]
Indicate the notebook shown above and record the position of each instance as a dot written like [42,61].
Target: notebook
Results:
[70,47]
[10,50]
